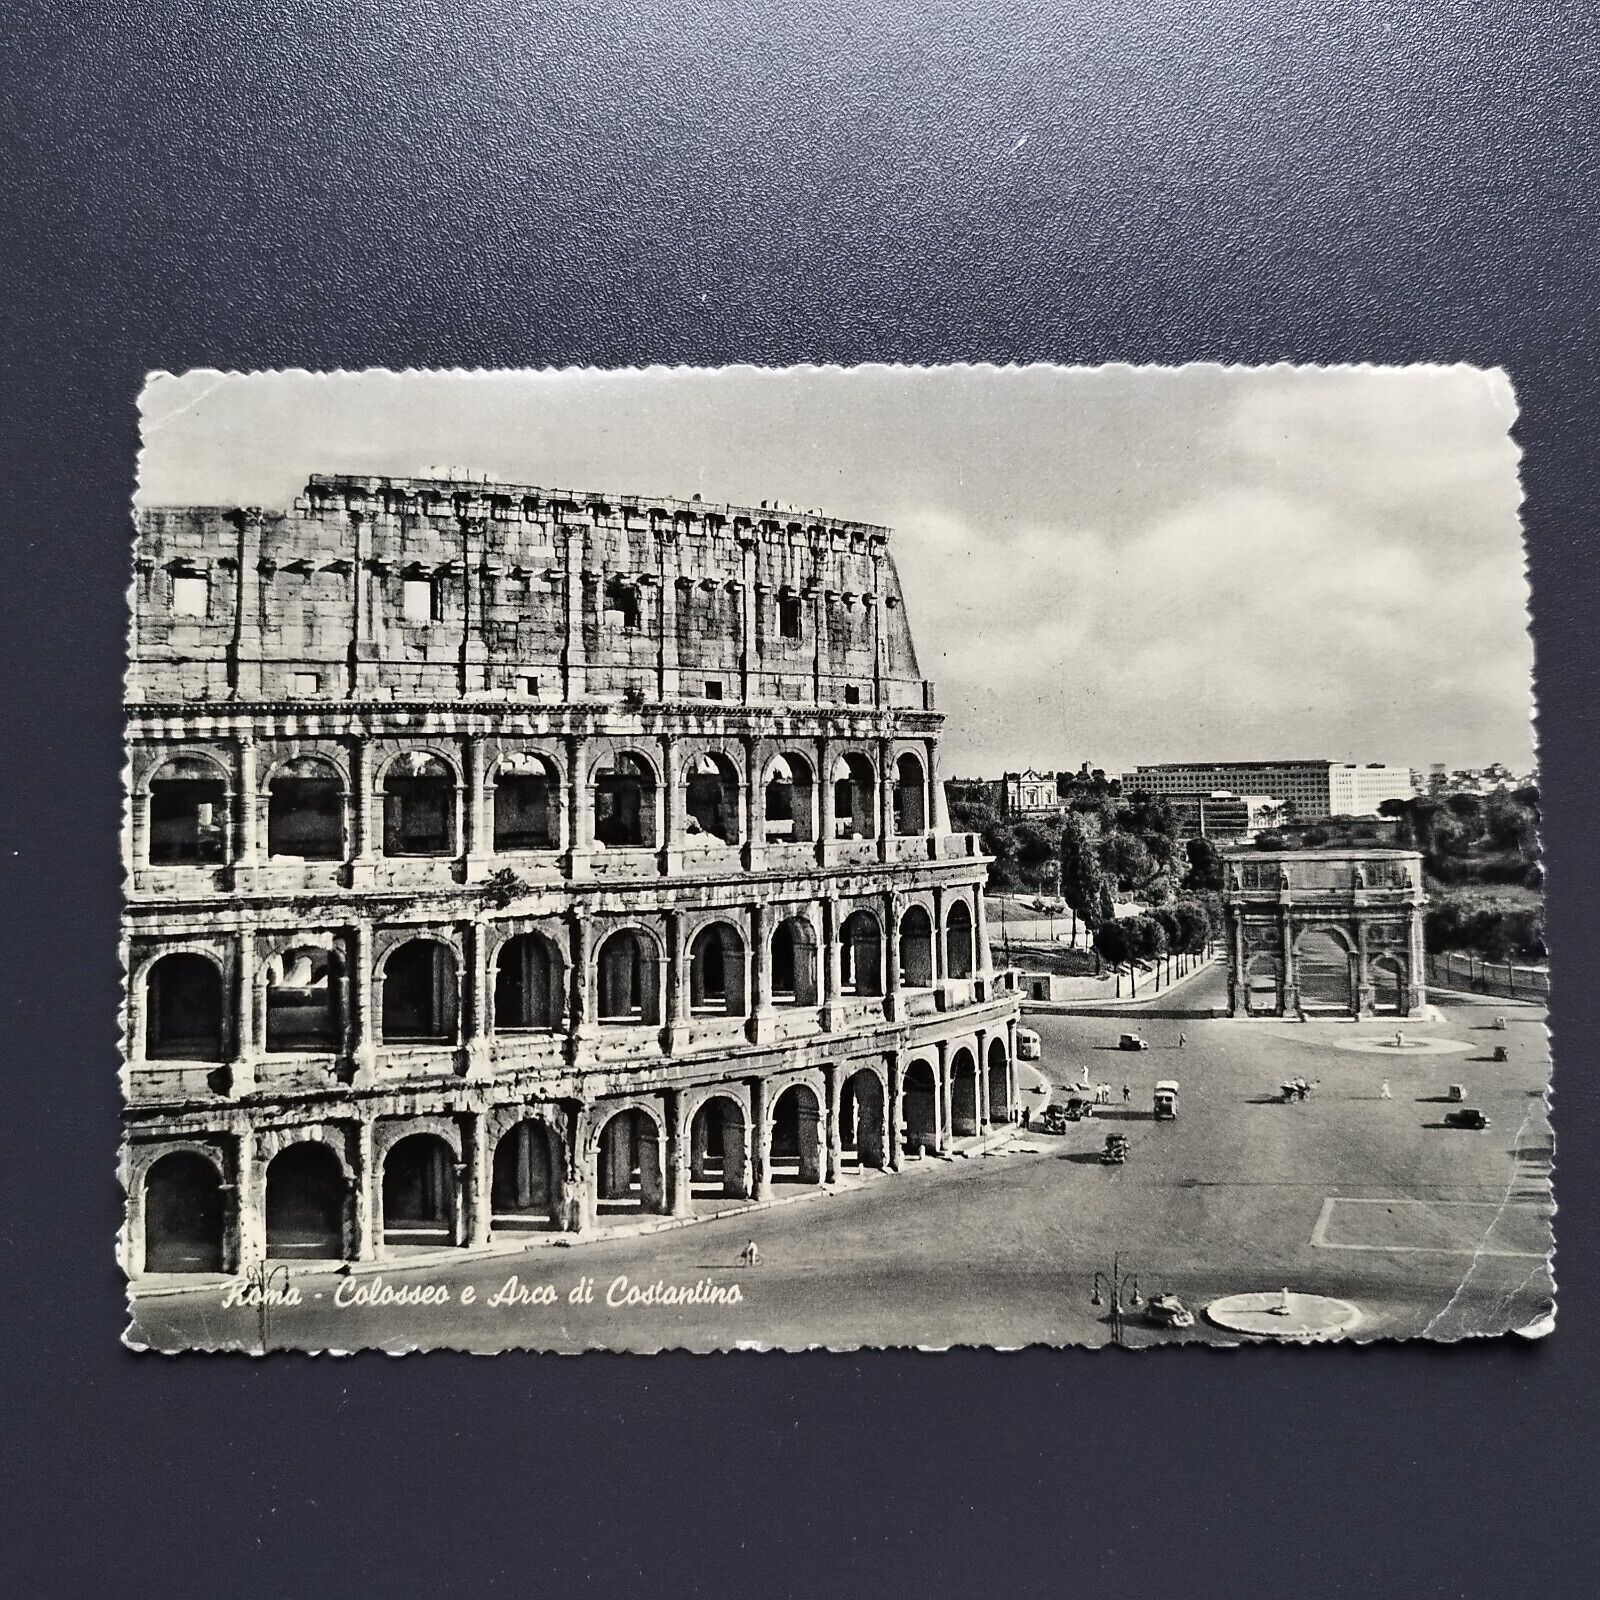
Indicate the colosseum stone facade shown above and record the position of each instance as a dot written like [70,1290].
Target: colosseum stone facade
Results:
[503,861]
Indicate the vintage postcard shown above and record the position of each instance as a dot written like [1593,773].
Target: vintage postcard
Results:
[827,857]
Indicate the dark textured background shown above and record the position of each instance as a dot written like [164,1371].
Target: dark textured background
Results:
[262,184]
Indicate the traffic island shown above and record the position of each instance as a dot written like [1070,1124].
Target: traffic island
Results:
[1281,1314]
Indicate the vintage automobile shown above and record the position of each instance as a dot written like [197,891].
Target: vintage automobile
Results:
[1168,1311]
[1466,1117]
[1116,1150]
[1131,1041]
[1166,1100]
[1055,1119]
[1077,1107]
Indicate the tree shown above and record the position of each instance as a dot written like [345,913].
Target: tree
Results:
[1114,946]
[1082,881]
[1125,859]
[1205,865]
[1194,926]
[1172,934]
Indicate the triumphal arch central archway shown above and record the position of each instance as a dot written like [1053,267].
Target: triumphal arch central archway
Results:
[1329,932]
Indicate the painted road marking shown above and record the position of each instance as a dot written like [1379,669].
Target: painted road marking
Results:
[1475,1246]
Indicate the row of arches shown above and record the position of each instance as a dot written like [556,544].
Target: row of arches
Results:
[308,1198]
[190,801]
[1327,974]
[306,1002]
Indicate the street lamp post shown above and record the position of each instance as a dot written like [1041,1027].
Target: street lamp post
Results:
[1111,1288]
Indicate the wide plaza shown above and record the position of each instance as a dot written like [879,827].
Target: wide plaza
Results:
[1423,1227]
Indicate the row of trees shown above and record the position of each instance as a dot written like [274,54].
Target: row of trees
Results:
[1166,935]
[1473,838]
[1485,928]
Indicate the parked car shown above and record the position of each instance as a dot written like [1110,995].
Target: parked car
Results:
[1029,1047]
[1077,1107]
[1168,1311]
[1466,1117]
[1131,1041]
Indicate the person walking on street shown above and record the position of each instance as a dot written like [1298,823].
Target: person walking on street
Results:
[750,1256]
[1183,1039]
[1027,1117]
[1127,1093]
[1383,1091]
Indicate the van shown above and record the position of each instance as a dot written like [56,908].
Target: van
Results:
[1029,1047]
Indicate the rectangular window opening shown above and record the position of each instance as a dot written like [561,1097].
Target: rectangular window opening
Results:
[191,596]
[304,682]
[713,689]
[852,695]
[789,624]
[417,600]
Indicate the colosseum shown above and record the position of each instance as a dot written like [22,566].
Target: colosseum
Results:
[504,861]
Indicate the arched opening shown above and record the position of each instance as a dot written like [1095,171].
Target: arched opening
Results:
[789,798]
[853,781]
[964,1120]
[958,941]
[307,1200]
[1388,987]
[1263,986]
[527,804]
[525,1187]
[718,1149]
[910,797]
[188,814]
[628,1165]
[305,811]
[625,803]
[183,1009]
[302,1000]
[528,986]
[629,973]
[183,1214]
[919,1109]
[916,949]
[711,798]
[419,994]
[419,807]
[419,1192]
[796,1149]
[861,954]
[1322,971]
[861,1120]
[999,1083]
[716,972]
[794,963]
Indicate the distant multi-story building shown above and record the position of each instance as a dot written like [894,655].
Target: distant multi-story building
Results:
[1223,815]
[1314,789]
[1440,779]
[502,860]
[1030,794]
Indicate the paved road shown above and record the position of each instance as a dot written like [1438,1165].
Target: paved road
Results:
[1423,1227]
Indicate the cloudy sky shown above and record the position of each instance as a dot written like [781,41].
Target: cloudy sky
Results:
[1114,565]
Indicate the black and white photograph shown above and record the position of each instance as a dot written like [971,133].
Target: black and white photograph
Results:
[828,857]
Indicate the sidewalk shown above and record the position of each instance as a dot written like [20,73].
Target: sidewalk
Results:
[1095,998]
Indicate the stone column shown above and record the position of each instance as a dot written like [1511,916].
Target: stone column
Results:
[678,996]
[368,1194]
[246,1035]
[475,999]
[893,1111]
[940,953]
[760,1153]
[667,655]
[831,980]
[573,661]
[479,842]
[1238,977]
[1361,994]
[249,1202]
[680,1199]
[833,1149]
[747,619]
[754,811]
[819,638]
[822,807]
[1291,987]
[885,803]
[891,964]
[982,1086]
[579,1016]
[982,955]
[669,828]
[1011,1062]
[578,819]
[249,806]
[364,1020]
[760,990]
[479,1176]
[366,824]
[942,1098]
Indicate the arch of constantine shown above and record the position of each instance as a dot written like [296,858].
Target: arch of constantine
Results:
[1331,932]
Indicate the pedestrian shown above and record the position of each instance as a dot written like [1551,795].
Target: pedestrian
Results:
[750,1256]
[1127,1093]
[1383,1091]
[1027,1118]
[1183,1039]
